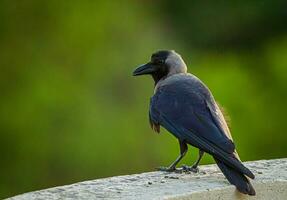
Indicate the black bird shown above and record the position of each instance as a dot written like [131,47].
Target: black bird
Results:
[184,106]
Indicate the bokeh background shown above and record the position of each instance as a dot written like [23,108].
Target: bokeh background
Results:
[71,111]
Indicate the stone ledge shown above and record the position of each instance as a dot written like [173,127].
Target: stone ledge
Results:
[209,183]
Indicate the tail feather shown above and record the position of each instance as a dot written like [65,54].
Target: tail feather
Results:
[236,178]
[205,145]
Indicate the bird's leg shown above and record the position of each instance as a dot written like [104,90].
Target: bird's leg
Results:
[172,167]
[194,167]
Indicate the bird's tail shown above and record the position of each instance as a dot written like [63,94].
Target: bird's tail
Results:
[236,178]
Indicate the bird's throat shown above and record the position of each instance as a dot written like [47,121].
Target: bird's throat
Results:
[158,75]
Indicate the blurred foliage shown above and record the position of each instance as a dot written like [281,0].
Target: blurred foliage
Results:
[233,24]
[71,111]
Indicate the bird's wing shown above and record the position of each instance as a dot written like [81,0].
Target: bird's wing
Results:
[219,121]
[185,109]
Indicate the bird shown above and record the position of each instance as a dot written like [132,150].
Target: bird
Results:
[185,107]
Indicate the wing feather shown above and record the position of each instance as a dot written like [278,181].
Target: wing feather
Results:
[186,109]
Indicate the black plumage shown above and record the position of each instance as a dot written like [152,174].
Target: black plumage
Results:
[186,108]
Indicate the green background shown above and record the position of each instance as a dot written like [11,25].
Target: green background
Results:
[71,111]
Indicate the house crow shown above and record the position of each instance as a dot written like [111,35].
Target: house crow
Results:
[184,106]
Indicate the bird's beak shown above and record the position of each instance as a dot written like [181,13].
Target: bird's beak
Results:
[144,69]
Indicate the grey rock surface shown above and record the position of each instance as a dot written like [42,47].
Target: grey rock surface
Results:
[209,183]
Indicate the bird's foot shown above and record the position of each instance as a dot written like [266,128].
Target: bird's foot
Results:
[169,169]
[193,169]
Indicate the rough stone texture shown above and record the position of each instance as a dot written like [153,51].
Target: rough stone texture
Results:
[209,183]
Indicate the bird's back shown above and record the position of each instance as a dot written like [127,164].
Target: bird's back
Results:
[183,95]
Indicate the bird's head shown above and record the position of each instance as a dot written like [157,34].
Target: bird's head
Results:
[162,64]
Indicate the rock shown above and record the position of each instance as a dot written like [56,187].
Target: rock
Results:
[270,183]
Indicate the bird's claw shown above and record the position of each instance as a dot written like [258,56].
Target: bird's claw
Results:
[166,169]
[190,169]
[169,169]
